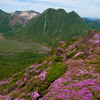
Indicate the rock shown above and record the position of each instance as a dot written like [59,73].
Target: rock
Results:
[84,49]
[9,89]
[77,37]
[31,86]
[89,35]
[85,40]
[78,44]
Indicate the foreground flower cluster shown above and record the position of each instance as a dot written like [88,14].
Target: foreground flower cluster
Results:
[80,79]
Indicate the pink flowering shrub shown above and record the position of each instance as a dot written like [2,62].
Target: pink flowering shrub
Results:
[78,54]
[50,62]
[35,95]
[1,96]
[25,79]
[3,82]
[43,75]
[90,56]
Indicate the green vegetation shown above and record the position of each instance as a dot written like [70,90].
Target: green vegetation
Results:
[69,42]
[5,25]
[10,46]
[56,70]
[70,55]
[59,26]
[95,24]
[58,59]
[16,56]
[19,61]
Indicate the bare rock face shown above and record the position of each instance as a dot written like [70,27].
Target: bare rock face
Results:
[85,40]
[24,16]
[89,35]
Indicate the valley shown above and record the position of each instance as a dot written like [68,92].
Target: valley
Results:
[16,56]
[54,55]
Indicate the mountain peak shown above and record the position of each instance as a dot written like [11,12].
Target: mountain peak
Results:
[49,10]
[61,10]
[54,10]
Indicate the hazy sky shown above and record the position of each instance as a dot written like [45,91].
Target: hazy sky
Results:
[85,8]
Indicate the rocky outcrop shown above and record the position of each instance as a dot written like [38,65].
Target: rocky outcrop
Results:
[85,40]
[24,16]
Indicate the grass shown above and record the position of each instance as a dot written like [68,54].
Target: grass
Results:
[53,74]
[19,61]
[16,56]
[7,46]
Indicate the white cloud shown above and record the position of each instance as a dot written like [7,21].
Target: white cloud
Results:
[88,8]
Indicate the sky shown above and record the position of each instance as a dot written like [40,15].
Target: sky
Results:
[85,8]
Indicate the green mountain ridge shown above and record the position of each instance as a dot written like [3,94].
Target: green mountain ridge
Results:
[50,27]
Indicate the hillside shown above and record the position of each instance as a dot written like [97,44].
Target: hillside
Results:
[94,24]
[24,16]
[17,56]
[50,27]
[13,21]
[71,71]
[8,22]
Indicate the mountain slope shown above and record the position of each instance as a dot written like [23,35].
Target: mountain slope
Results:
[70,71]
[13,21]
[95,24]
[8,22]
[24,16]
[51,26]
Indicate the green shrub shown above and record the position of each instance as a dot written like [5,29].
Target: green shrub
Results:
[81,56]
[68,56]
[58,59]
[69,42]
[56,70]
[52,50]
[41,67]
[17,62]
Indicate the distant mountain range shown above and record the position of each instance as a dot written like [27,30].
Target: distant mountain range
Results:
[91,18]
[50,27]
[95,24]
[47,28]
[12,21]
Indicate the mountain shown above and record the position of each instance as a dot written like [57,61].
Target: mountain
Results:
[8,22]
[95,24]
[13,21]
[50,27]
[91,18]
[24,16]
[70,71]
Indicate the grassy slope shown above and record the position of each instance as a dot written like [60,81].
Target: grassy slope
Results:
[66,72]
[16,56]
[14,46]
[59,26]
